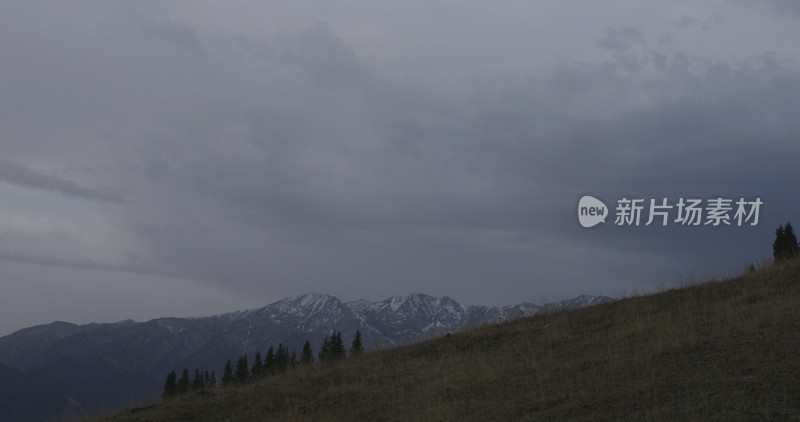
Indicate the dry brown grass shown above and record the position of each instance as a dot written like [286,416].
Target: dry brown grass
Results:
[720,350]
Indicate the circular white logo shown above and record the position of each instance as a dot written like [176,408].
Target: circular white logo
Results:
[591,211]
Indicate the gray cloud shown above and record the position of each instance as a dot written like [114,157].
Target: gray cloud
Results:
[786,6]
[621,39]
[293,151]
[686,21]
[173,33]
[773,10]
[79,264]
[781,6]
[19,175]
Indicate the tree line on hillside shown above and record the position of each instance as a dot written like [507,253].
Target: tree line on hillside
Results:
[276,361]
[785,245]
[280,360]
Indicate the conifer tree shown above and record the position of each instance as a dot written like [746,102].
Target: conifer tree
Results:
[197,382]
[337,346]
[307,357]
[183,383]
[281,359]
[170,385]
[777,245]
[269,361]
[790,240]
[293,360]
[325,350]
[258,365]
[785,245]
[227,374]
[332,348]
[213,379]
[356,348]
[242,370]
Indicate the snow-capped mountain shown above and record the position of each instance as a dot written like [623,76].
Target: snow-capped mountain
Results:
[69,357]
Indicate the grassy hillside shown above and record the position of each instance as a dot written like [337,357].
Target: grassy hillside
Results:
[720,350]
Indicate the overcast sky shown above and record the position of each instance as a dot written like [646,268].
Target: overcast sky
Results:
[185,158]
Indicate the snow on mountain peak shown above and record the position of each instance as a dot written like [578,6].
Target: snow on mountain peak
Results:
[313,298]
[399,315]
[305,304]
[395,302]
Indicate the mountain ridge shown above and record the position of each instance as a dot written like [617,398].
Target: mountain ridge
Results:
[146,351]
[716,350]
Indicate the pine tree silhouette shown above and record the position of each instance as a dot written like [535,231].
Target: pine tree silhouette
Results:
[242,370]
[337,346]
[356,348]
[170,385]
[269,362]
[197,382]
[227,374]
[325,350]
[183,383]
[281,359]
[785,245]
[790,240]
[258,366]
[332,348]
[307,357]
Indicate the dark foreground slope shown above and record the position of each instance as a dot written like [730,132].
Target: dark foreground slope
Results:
[85,364]
[720,350]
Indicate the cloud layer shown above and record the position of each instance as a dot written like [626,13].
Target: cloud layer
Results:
[368,150]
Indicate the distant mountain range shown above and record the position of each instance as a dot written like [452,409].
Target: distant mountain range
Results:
[88,368]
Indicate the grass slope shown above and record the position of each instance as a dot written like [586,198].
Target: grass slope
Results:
[719,350]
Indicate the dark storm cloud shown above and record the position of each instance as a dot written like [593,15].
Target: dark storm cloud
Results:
[507,165]
[274,152]
[19,175]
